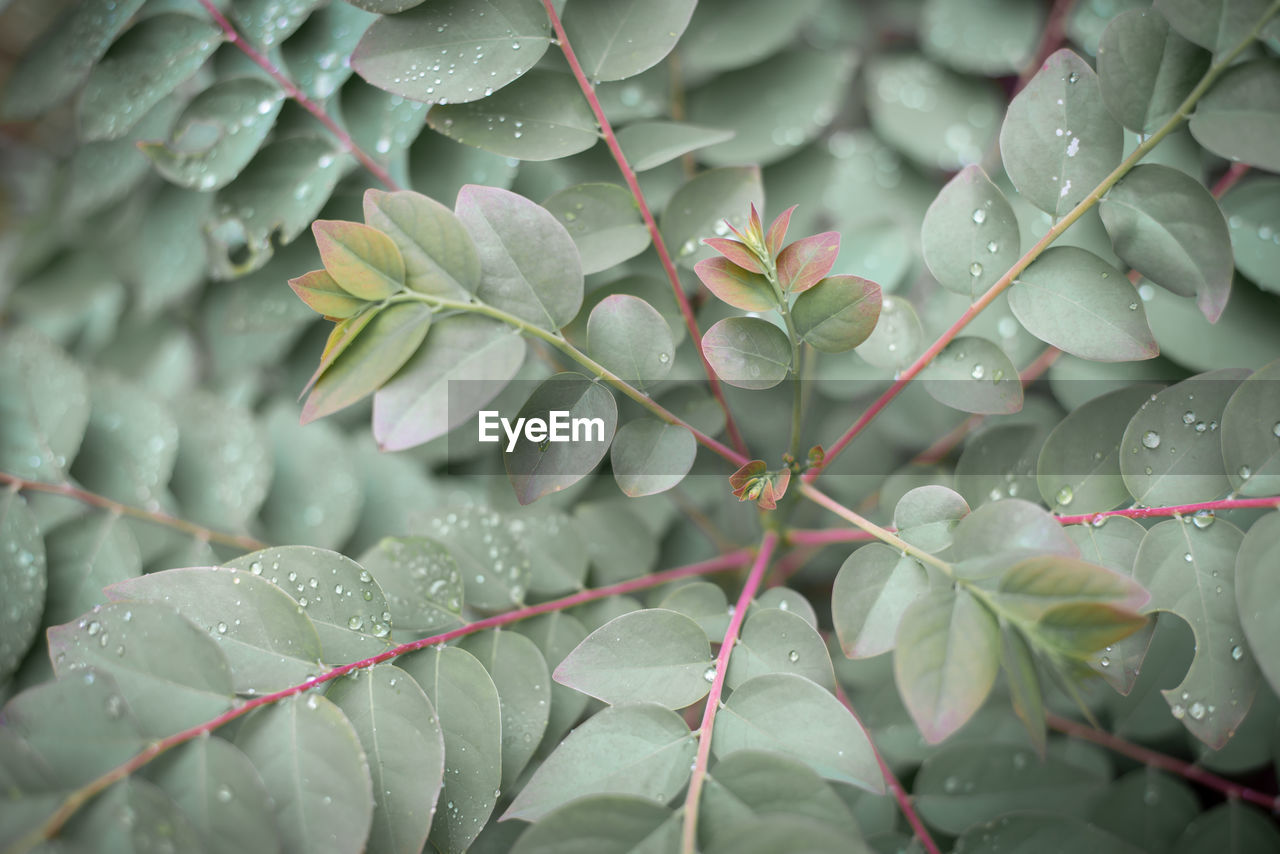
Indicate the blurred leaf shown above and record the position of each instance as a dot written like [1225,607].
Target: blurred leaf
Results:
[630,338]
[603,221]
[100,173]
[542,116]
[312,763]
[397,728]
[1147,808]
[127,817]
[641,749]
[1240,116]
[748,352]
[1025,693]
[789,714]
[1253,219]
[467,703]
[997,462]
[776,641]
[651,656]
[530,263]
[873,589]
[780,833]
[269,642]
[926,515]
[727,34]
[1190,571]
[1214,24]
[166,260]
[40,433]
[316,57]
[421,582]
[649,456]
[85,554]
[1058,140]
[130,445]
[538,469]
[990,37]
[970,236]
[1239,827]
[650,144]
[267,22]
[1242,336]
[1255,583]
[1146,69]
[520,674]
[769,784]
[596,824]
[24,578]
[973,375]
[223,469]
[404,53]
[1249,447]
[615,39]
[897,337]
[1072,299]
[698,209]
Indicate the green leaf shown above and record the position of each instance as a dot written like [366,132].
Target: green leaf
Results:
[939,119]
[1023,681]
[703,602]
[24,578]
[786,833]
[439,256]
[1079,466]
[1169,454]
[397,728]
[773,107]
[268,640]
[615,39]
[85,554]
[974,375]
[999,534]
[735,285]
[642,749]
[630,338]
[167,259]
[405,53]
[1256,584]
[538,468]
[1214,24]
[344,603]
[1167,226]
[727,34]
[169,686]
[897,338]
[926,516]
[362,260]
[651,656]
[311,57]
[465,362]
[420,581]
[1147,808]
[218,133]
[556,635]
[963,784]
[542,116]
[323,295]
[267,22]
[649,456]
[1058,140]
[776,641]
[128,817]
[1253,219]
[130,446]
[221,794]
[1251,434]
[748,352]
[1242,336]
[40,433]
[1033,587]
[530,264]
[150,61]
[103,172]
[1146,69]
[1072,299]
[998,461]
[990,37]
[970,236]
[596,824]
[873,589]
[472,534]
[603,221]
[467,703]
[557,556]
[1240,116]
[789,714]
[769,784]
[650,144]
[520,674]
[1229,828]
[947,657]
[63,57]
[698,209]
[838,313]
[1190,571]
[390,338]
[312,763]
[1079,629]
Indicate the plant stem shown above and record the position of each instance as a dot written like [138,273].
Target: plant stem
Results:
[827,536]
[689,843]
[1174,510]
[555,339]
[154,516]
[891,780]
[884,535]
[797,385]
[1188,770]
[1183,111]
[77,798]
[258,59]
[659,245]
[1052,39]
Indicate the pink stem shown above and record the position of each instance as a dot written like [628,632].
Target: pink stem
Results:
[1163,762]
[297,94]
[827,536]
[1178,510]
[629,175]
[77,798]
[895,786]
[1229,179]
[690,840]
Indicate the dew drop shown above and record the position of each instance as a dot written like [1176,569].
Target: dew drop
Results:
[355,623]
[1065,495]
[793,656]
[1073,77]
[1197,710]
[1202,519]
[1245,472]
[709,674]
[1151,439]
[979,216]
[978,372]
[222,628]
[224,794]
[992,247]
[975,269]
[1236,653]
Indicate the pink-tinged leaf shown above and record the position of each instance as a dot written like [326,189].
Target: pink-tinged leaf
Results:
[807,261]
[736,251]
[322,295]
[778,232]
[340,337]
[362,260]
[387,342]
[738,287]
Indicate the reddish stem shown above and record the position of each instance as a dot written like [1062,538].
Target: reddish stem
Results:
[891,780]
[80,796]
[690,839]
[156,516]
[1229,179]
[1075,729]
[629,175]
[1054,29]
[828,536]
[298,95]
[1177,510]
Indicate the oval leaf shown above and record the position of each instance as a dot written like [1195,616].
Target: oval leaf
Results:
[748,352]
